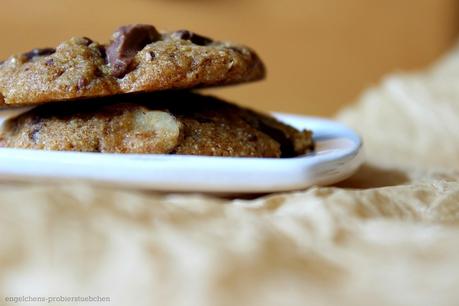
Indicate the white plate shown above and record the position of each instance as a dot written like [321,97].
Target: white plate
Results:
[338,155]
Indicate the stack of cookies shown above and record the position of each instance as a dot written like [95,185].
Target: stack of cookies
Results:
[134,95]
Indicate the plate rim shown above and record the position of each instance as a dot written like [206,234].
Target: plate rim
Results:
[349,161]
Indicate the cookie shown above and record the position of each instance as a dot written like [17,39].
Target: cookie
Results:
[138,59]
[176,122]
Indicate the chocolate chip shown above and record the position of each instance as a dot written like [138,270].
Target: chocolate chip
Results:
[98,72]
[81,83]
[126,43]
[59,72]
[88,41]
[149,56]
[38,52]
[103,53]
[253,137]
[286,144]
[193,37]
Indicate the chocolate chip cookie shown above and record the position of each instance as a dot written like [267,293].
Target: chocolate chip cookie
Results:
[174,122]
[138,59]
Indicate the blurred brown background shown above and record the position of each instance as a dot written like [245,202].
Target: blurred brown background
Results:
[320,53]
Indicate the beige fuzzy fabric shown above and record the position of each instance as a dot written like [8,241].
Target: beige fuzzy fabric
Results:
[387,236]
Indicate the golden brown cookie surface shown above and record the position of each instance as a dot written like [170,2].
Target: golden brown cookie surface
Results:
[138,59]
[168,123]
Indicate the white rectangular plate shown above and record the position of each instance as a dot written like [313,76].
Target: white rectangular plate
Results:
[337,156]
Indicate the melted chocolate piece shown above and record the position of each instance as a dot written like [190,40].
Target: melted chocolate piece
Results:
[88,41]
[193,37]
[127,42]
[38,52]
[150,56]
[103,53]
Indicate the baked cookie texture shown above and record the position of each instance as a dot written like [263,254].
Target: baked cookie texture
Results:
[176,122]
[138,59]
[134,97]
